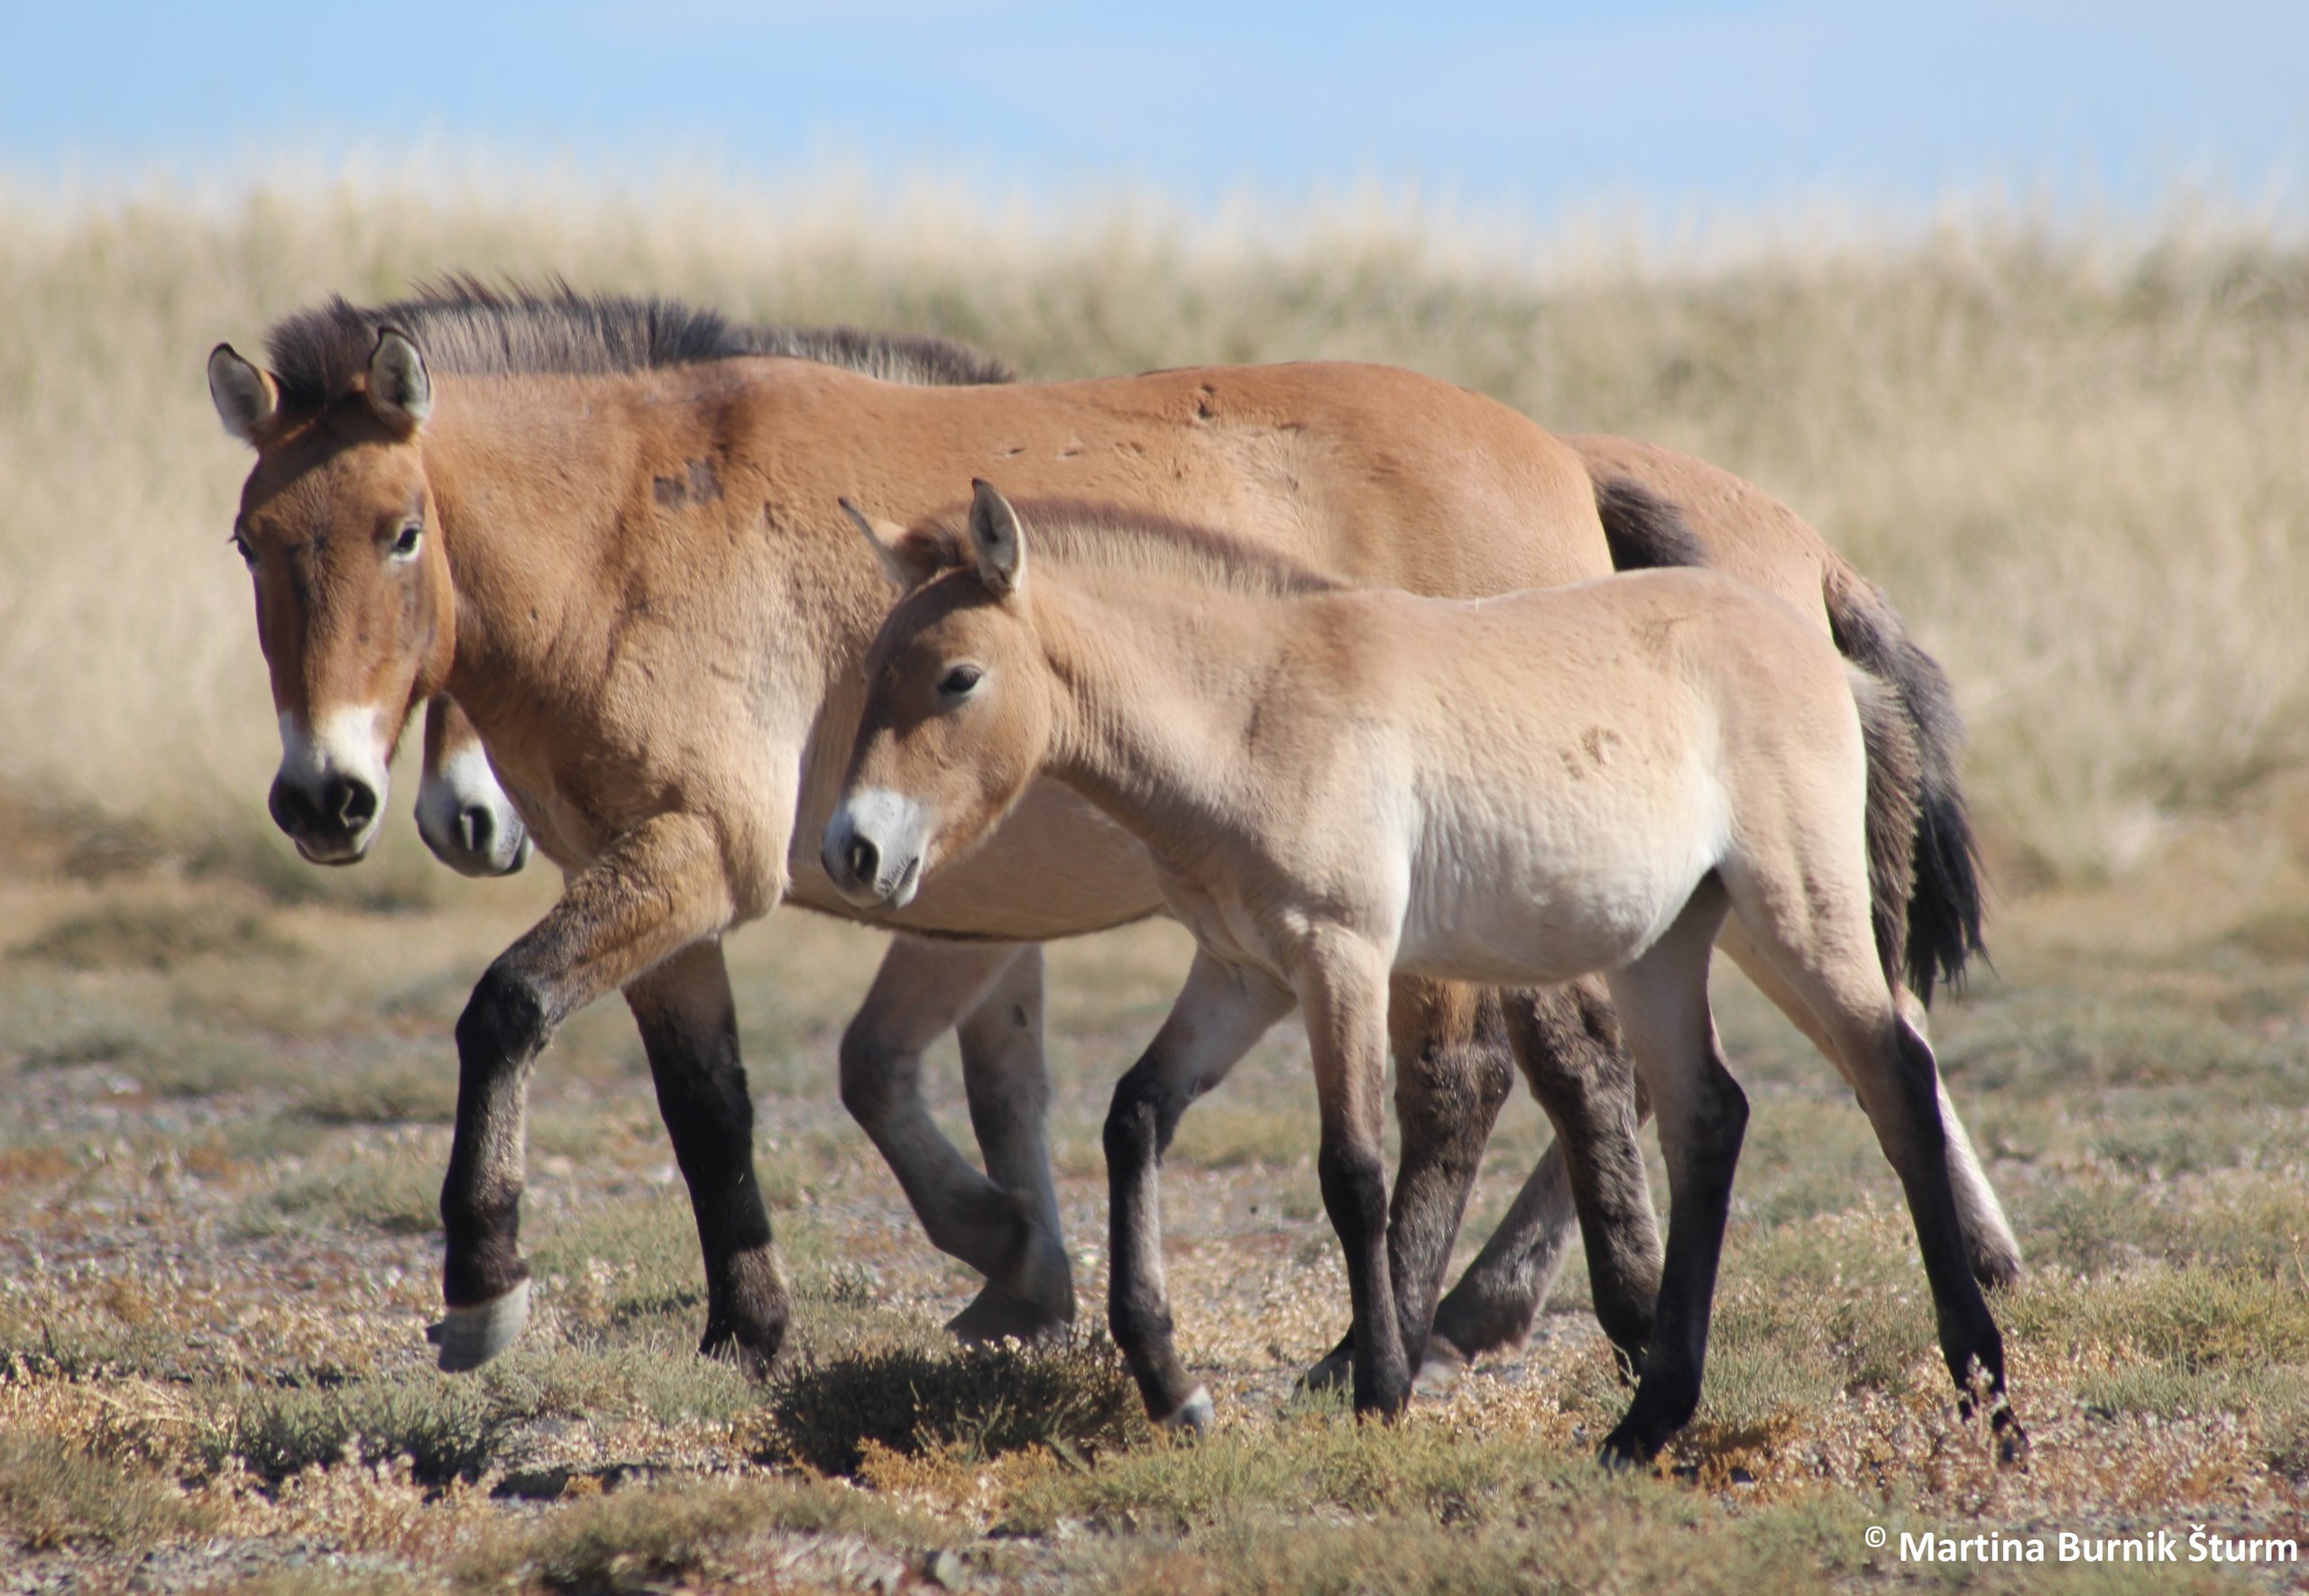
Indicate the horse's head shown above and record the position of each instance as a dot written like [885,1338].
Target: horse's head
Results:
[958,709]
[353,606]
[463,811]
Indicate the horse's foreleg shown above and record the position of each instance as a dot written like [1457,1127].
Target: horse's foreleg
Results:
[655,890]
[1452,1073]
[689,1029]
[1219,1013]
[1008,1087]
[1567,1040]
[1342,988]
[922,989]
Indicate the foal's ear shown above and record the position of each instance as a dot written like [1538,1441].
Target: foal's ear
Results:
[1000,540]
[400,391]
[908,560]
[246,399]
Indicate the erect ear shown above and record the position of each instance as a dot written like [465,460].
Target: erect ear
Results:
[400,390]
[908,559]
[999,540]
[246,399]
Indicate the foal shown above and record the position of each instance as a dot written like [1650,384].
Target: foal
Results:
[1337,785]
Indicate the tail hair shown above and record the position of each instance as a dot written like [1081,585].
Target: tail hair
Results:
[1642,531]
[1944,901]
[1892,811]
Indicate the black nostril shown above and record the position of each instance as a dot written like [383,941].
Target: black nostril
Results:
[476,829]
[353,803]
[290,811]
[864,860]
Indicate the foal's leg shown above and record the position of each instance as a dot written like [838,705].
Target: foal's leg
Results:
[1989,1242]
[1009,1096]
[1567,1041]
[922,988]
[1703,1115]
[1891,1069]
[1342,985]
[1452,1073]
[689,1029]
[1220,1012]
[652,893]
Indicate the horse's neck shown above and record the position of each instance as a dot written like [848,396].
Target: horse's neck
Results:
[1151,708]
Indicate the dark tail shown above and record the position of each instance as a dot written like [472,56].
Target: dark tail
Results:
[1893,808]
[1643,530]
[1943,915]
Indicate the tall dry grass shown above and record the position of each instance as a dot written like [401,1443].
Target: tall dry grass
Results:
[2077,455]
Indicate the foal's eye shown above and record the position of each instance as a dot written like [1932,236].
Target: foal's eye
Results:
[959,681]
[241,547]
[406,544]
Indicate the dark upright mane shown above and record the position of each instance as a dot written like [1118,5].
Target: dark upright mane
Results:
[467,327]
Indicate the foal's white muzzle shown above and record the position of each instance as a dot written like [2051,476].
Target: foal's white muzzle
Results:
[466,818]
[875,848]
[329,793]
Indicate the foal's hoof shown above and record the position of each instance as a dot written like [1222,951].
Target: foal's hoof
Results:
[1438,1369]
[469,1337]
[996,1315]
[1191,1417]
[1335,1372]
[1046,1279]
[1625,1451]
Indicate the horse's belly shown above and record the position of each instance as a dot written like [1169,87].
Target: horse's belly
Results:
[1542,895]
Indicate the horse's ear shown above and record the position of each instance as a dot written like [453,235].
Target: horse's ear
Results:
[999,540]
[908,560]
[400,391]
[246,399]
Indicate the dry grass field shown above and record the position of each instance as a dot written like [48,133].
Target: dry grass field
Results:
[2079,461]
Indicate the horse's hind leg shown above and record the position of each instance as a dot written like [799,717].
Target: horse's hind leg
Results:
[1218,1014]
[1989,1242]
[1703,1115]
[921,990]
[1567,1041]
[1891,1067]
[689,1029]
[1008,1087]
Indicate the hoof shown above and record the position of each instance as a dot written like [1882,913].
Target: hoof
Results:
[2011,1442]
[1334,1373]
[1191,1417]
[996,1315]
[1440,1369]
[725,1344]
[469,1337]
[1624,1451]
[1045,1279]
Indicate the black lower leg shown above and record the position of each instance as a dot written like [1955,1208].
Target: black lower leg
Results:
[504,1027]
[689,1031]
[1354,1195]
[1138,1129]
[1674,1361]
[1568,1042]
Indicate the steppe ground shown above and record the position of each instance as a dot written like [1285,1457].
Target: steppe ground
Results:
[2078,458]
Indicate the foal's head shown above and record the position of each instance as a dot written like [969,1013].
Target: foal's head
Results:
[958,709]
[353,606]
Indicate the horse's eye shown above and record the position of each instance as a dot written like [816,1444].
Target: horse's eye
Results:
[241,547]
[406,544]
[960,680]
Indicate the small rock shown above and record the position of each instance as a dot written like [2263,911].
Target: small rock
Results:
[944,1569]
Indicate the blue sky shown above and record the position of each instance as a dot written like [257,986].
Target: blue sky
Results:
[1729,105]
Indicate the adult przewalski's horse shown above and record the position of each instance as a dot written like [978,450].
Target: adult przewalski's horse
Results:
[1339,785]
[626,564]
